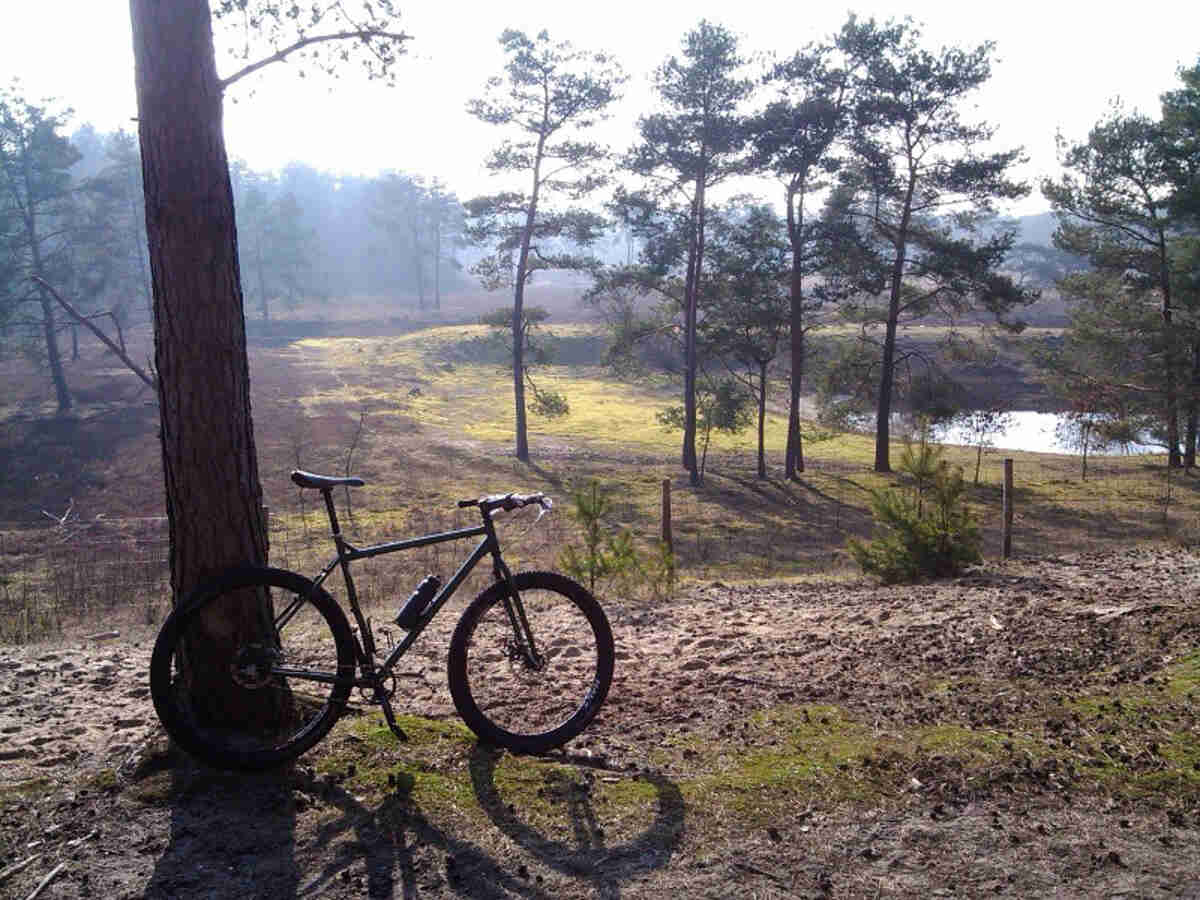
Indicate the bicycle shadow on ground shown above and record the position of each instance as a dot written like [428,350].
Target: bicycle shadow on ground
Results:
[395,851]
[270,837]
[589,855]
[231,835]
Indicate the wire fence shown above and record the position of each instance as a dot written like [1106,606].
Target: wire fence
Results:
[114,573]
[97,572]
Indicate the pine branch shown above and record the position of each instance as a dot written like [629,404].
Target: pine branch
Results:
[363,34]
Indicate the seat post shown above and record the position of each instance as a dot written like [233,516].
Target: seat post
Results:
[327,493]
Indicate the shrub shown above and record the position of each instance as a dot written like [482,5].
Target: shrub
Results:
[549,404]
[601,555]
[924,531]
[609,556]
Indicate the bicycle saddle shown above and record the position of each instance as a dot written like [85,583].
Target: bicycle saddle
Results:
[323,482]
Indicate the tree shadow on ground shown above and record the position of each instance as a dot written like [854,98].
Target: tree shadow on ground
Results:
[44,462]
[232,835]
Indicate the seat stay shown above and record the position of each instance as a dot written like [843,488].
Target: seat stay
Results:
[282,619]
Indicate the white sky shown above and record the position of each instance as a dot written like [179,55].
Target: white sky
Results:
[1058,64]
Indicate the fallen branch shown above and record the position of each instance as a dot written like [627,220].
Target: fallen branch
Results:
[61,520]
[781,884]
[46,881]
[104,338]
[87,837]
[18,866]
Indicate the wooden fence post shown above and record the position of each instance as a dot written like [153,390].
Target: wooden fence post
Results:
[666,515]
[1008,508]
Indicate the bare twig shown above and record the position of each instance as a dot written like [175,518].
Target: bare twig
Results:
[778,881]
[362,415]
[61,520]
[759,683]
[46,881]
[79,840]
[18,866]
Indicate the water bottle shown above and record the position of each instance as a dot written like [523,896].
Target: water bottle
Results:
[414,606]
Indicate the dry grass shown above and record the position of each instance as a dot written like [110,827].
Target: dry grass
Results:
[428,415]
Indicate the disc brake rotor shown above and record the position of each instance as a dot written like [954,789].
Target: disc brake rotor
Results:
[251,667]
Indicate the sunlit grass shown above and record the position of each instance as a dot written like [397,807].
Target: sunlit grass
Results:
[438,418]
[423,376]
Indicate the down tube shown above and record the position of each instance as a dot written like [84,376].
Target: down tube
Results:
[484,548]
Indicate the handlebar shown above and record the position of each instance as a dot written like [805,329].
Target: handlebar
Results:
[507,502]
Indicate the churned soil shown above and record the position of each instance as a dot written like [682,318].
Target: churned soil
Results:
[87,782]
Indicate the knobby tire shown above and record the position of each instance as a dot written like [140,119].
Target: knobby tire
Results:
[318,638]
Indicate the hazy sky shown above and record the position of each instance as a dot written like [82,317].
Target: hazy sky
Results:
[1058,64]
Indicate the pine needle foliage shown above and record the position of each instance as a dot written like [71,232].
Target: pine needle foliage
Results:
[605,556]
[924,530]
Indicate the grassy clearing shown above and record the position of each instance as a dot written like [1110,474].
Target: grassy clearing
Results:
[426,417]
[454,378]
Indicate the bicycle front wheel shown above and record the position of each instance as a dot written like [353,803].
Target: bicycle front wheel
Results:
[531,703]
[252,669]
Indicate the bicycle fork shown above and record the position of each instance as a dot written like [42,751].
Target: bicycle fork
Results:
[517,620]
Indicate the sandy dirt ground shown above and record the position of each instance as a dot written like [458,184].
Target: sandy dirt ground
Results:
[76,717]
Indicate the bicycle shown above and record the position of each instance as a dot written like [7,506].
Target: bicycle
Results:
[529,665]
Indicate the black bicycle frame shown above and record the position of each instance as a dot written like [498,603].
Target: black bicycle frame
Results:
[347,553]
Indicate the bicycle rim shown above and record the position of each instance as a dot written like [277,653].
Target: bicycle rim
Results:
[253,670]
[508,701]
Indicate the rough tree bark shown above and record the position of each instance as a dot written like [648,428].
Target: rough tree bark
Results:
[213,494]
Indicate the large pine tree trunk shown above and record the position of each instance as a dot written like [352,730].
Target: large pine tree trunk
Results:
[1170,359]
[883,408]
[49,326]
[437,266]
[1193,411]
[520,425]
[1171,398]
[213,495]
[418,262]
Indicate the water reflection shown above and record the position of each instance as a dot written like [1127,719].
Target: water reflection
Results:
[1035,432]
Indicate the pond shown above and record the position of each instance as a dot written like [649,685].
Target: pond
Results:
[1035,432]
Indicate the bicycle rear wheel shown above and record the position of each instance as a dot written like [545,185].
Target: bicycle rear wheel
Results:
[252,669]
[506,700]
